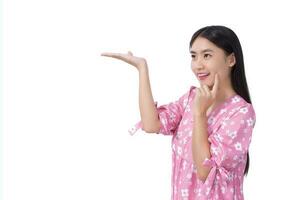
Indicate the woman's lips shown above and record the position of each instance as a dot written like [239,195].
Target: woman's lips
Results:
[202,76]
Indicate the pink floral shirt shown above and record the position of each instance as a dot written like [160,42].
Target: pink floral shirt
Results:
[230,128]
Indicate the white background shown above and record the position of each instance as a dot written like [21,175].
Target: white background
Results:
[67,109]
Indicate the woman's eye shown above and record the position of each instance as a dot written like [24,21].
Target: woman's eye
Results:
[205,55]
[193,56]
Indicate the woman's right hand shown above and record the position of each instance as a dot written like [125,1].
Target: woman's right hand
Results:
[137,62]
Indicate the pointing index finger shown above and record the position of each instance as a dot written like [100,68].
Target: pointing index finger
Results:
[216,85]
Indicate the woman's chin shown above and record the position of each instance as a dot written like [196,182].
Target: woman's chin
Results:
[204,82]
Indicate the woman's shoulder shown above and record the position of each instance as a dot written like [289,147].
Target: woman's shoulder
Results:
[245,104]
[239,106]
[191,89]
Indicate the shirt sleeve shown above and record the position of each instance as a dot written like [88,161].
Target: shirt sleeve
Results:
[169,114]
[228,146]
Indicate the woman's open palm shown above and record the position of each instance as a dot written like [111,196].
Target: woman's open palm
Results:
[129,58]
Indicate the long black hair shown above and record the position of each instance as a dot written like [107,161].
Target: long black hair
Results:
[227,40]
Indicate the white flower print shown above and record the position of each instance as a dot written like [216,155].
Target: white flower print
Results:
[230,176]
[223,110]
[241,159]
[235,157]
[163,121]
[185,140]
[235,100]
[223,157]
[197,191]
[184,192]
[187,108]
[223,190]
[211,120]
[185,102]
[232,134]
[214,150]
[179,150]
[231,112]
[241,189]
[238,146]
[244,110]
[179,134]
[224,123]
[207,190]
[250,122]
[172,117]
[218,137]
[185,122]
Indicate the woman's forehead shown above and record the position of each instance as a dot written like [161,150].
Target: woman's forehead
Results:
[202,45]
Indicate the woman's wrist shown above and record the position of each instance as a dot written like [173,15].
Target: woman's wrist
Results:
[143,66]
[200,115]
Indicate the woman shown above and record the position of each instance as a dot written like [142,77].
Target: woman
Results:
[211,126]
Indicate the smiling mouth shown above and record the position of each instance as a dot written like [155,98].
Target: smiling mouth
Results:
[203,76]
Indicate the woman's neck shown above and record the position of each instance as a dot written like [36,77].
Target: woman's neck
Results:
[224,92]
[222,95]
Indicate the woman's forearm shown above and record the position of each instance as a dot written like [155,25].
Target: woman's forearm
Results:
[148,111]
[200,145]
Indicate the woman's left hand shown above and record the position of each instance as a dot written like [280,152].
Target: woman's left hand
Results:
[205,97]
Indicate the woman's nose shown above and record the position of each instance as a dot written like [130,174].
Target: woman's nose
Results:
[198,65]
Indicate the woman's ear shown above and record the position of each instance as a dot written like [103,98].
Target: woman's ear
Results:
[231,60]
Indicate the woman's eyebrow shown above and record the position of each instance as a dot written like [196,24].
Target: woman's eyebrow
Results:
[203,51]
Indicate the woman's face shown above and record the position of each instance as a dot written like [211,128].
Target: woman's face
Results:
[207,60]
